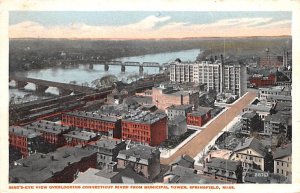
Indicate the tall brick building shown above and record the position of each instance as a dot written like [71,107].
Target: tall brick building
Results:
[145,127]
[163,97]
[108,125]
[27,141]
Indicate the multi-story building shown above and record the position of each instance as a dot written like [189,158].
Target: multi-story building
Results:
[258,80]
[60,166]
[52,132]
[249,120]
[144,160]
[177,110]
[276,123]
[199,117]
[283,160]
[251,152]
[164,96]
[265,93]
[104,124]
[107,150]
[216,75]
[27,141]
[80,137]
[145,127]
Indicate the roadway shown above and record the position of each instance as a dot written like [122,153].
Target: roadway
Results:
[199,142]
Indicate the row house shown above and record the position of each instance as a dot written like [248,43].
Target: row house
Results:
[51,132]
[104,124]
[80,137]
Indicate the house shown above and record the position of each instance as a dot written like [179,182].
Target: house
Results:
[283,160]
[145,160]
[252,153]
[60,166]
[177,126]
[107,150]
[176,110]
[222,169]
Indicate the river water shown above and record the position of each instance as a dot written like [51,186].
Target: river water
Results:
[83,74]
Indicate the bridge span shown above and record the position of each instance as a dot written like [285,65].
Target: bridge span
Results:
[43,85]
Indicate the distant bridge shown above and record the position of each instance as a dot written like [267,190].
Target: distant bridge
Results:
[43,85]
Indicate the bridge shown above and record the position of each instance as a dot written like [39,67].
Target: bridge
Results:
[43,85]
[124,64]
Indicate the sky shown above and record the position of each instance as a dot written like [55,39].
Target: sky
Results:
[146,24]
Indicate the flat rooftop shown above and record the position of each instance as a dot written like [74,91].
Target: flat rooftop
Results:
[47,126]
[90,115]
[144,117]
[20,131]
[82,135]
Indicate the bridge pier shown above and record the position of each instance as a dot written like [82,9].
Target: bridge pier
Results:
[21,84]
[63,92]
[122,68]
[91,66]
[40,88]
[141,70]
[106,67]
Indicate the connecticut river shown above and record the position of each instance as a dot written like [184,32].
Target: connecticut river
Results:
[83,74]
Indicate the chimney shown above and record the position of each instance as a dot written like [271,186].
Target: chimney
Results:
[52,157]
[171,169]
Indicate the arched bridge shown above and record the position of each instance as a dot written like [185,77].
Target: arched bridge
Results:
[43,85]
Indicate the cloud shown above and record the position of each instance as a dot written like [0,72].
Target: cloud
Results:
[156,27]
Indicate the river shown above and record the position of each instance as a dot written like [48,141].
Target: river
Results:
[83,74]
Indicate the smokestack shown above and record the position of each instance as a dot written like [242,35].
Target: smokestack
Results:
[216,57]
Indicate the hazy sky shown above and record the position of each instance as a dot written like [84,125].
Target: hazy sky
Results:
[140,25]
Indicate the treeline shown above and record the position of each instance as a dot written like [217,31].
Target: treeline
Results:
[26,54]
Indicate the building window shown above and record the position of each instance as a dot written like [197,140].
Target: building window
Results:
[278,163]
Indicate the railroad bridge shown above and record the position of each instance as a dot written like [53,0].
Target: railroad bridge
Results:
[124,64]
[43,85]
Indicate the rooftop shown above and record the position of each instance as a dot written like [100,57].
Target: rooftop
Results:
[107,143]
[90,115]
[225,164]
[180,107]
[283,151]
[185,161]
[37,168]
[180,174]
[47,126]
[201,111]
[144,117]
[83,135]
[20,131]
[277,118]
[252,143]
[142,153]
[102,176]
[249,115]
[260,107]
